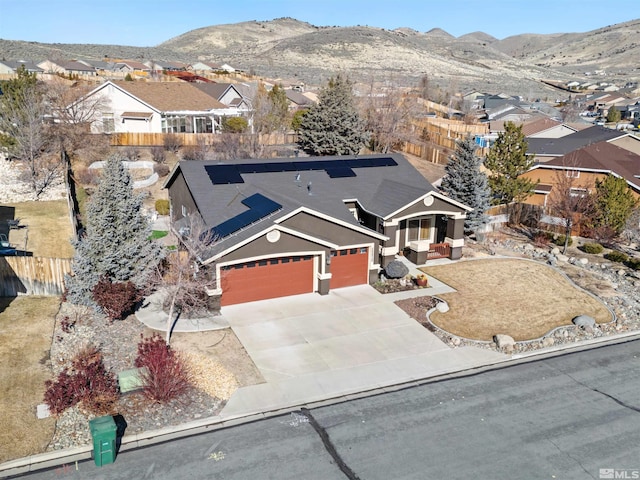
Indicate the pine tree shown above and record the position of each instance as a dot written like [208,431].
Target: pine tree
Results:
[117,243]
[507,160]
[614,203]
[466,183]
[333,126]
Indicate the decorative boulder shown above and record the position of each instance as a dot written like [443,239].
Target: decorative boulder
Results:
[504,341]
[584,321]
[442,307]
[396,269]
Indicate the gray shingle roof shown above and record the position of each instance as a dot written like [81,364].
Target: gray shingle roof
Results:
[379,190]
[569,143]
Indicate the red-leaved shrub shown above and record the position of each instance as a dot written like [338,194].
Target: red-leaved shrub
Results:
[116,299]
[164,374]
[87,383]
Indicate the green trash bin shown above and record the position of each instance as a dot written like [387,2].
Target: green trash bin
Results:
[103,433]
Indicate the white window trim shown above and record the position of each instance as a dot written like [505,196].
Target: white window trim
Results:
[431,220]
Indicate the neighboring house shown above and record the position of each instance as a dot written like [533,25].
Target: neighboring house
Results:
[226,93]
[585,166]
[287,227]
[162,66]
[9,67]
[157,107]
[210,66]
[131,66]
[101,67]
[297,100]
[545,149]
[67,67]
[546,128]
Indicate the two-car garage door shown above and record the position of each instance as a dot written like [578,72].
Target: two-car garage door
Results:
[293,275]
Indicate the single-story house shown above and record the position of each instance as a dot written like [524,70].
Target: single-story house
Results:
[298,100]
[67,67]
[585,166]
[293,226]
[10,67]
[157,107]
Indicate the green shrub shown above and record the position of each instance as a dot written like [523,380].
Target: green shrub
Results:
[593,248]
[559,240]
[157,234]
[162,206]
[633,263]
[616,256]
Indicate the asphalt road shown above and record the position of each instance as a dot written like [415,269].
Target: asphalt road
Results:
[564,417]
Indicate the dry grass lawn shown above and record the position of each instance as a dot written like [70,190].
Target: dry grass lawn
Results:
[49,229]
[26,327]
[519,298]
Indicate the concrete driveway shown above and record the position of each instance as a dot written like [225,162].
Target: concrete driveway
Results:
[309,334]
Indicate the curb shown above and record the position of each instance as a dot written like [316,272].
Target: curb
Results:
[132,442]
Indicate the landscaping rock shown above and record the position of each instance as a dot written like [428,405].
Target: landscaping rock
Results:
[584,261]
[584,321]
[562,258]
[555,251]
[396,269]
[442,307]
[548,342]
[504,341]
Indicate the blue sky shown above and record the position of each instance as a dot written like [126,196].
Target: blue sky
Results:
[150,22]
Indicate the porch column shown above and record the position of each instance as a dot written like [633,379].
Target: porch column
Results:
[389,247]
[455,235]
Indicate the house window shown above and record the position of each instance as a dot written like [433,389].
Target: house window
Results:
[419,229]
[203,125]
[174,125]
[572,173]
[108,124]
[579,192]
[184,211]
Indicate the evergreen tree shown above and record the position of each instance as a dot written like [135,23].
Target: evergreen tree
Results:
[613,115]
[506,161]
[333,126]
[466,183]
[614,203]
[117,243]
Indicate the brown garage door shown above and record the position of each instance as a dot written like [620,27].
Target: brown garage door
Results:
[259,280]
[349,267]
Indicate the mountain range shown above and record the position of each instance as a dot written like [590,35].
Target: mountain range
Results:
[286,48]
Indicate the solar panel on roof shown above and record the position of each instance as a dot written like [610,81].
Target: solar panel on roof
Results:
[340,172]
[251,168]
[259,207]
[223,174]
[340,168]
[383,162]
[280,167]
[359,163]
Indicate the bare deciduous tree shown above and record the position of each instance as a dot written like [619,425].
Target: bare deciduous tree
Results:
[182,278]
[387,113]
[569,201]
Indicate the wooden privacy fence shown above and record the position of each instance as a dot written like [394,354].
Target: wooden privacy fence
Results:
[32,275]
[194,139]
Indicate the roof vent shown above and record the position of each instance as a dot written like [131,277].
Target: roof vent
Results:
[309,188]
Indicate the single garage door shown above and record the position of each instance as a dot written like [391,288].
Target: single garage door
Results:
[272,278]
[349,267]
